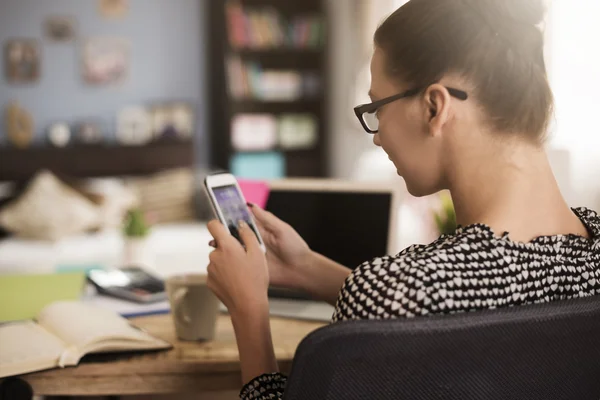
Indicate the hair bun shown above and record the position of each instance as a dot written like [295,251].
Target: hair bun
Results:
[530,12]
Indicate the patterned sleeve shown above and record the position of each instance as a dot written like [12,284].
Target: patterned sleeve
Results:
[264,387]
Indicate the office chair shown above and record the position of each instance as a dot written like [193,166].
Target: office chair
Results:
[532,352]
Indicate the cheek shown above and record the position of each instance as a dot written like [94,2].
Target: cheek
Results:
[413,154]
[399,138]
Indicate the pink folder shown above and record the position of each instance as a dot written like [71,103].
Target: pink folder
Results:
[256,192]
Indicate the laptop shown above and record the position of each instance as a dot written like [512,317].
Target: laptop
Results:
[349,222]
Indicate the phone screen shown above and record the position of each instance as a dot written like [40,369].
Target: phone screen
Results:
[234,209]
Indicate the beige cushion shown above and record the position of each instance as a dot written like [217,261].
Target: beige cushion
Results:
[49,210]
[115,199]
[167,196]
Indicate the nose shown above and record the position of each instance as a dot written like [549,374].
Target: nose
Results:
[376,140]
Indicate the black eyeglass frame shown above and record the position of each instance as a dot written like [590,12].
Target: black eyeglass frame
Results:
[373,107]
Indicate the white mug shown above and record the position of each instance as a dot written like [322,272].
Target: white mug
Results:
[194,308]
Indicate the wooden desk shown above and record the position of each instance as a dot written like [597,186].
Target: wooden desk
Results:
[190,367]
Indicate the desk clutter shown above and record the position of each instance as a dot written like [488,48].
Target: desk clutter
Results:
[63,333]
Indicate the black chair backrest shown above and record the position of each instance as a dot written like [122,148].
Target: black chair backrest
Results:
[534,352]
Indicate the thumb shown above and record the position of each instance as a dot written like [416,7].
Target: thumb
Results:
[248,237]
[269,221]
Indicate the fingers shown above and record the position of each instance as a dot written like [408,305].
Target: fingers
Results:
[262,231]
[248,237]
[219,232]
[213,243]
[213,258]
[265,218]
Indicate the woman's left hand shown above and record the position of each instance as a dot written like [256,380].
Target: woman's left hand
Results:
[238,277]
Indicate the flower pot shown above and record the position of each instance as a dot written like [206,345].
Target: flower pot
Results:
[136,252]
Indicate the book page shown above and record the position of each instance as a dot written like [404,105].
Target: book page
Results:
[80,325]
[26,346]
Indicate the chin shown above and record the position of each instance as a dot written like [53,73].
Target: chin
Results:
[418,190]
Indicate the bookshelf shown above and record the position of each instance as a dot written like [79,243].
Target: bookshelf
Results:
[267,75]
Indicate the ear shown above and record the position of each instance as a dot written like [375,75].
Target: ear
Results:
[437,107]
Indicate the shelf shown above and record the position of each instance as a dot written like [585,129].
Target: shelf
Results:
[312,61]
[300,60]
[278,149]
[287,6]
[94,161]
[257,106]
[279,51]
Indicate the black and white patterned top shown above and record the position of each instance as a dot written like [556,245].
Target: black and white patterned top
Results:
[470,270]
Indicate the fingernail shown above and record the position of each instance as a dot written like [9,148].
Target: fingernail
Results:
[242,224]
[250,205]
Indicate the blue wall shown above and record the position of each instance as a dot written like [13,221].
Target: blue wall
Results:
[167,60]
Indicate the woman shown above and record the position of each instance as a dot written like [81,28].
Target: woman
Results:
[461,102]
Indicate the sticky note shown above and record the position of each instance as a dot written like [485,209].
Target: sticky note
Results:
[23,296]
[258,166]
[256,192]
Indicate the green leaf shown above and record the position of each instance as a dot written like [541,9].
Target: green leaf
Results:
[135,224]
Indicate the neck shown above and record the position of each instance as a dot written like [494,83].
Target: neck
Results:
[511,189]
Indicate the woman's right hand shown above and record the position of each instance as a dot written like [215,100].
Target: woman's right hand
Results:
[287,253]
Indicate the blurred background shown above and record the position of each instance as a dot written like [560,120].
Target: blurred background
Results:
[272,100]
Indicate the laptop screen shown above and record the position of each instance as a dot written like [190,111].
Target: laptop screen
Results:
[348,227]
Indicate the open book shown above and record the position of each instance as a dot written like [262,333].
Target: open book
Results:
[63,334]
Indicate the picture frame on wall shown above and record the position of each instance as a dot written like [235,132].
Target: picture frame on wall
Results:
[22,59]
[106,61]
[60,29]
[113,9]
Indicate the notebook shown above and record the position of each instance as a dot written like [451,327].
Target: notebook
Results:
[28,294]
[63,333]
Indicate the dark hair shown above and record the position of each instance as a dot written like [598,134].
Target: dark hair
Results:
[495,44]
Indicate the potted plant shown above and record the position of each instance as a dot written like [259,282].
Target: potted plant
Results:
[135,231]
[445,217]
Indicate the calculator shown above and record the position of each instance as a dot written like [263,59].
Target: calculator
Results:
[129,283]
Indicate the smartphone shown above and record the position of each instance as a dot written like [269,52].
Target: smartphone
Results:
[131,283]
[229,204]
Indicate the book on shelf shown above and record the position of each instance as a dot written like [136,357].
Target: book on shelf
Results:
[262,132]
[254,132]
[63,333]
[266,28]
[248,80]
[297,131]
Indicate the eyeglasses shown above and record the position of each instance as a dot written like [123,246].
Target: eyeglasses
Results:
[367,113]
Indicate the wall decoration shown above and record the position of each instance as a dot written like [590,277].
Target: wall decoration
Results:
[89,133]
[183,119]
[113,8]
[173,121]
[59,134]
[19,126]
[22,61]
[60,29]
[162,124]
[134,126]
[106,61]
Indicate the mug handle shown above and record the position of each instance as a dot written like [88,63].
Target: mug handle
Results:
[178,298]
